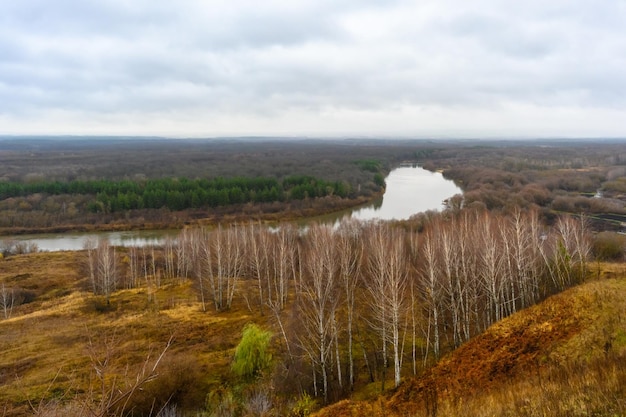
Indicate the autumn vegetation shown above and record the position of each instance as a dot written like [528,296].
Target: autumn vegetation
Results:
[50,185]
[506,303]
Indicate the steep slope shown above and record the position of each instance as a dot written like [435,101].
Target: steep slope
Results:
[565,356]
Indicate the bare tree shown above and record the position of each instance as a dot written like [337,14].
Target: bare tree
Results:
[218,257]
[350,254]
[467,270]
[413,247]
[196,258]
[7,300]
[258,242]
[491,269]
[283,260]
[235,252]
[448,237]
[571,251]
[90,246]
[386,284]
[169,250]
[102,264]
[114,395]
[183,256]
[133,266]
[156,276]
[318,301]
[431,289]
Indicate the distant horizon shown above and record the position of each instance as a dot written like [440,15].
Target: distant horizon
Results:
[311,137]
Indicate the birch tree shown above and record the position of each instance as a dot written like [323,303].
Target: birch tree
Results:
[491,270]
[133,266]
[386,284]
[7,300]
[102,264]
[318,302]
[258,242]
[350,254]
[283,259]
[431,289]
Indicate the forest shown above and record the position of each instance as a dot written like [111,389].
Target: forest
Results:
[353,303]
[180,193]
[68,184]
[58,184]
[253,320]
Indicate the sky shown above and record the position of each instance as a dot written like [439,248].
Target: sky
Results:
[319,68]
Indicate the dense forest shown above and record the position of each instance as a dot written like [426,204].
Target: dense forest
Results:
[180,193]
[299,318]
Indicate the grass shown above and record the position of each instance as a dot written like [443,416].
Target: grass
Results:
[49,346]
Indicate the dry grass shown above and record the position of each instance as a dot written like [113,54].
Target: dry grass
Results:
[49,346]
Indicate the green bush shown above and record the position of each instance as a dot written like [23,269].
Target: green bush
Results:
[304,407]
[252,356]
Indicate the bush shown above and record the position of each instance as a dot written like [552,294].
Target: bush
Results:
[609,246]
[252,356]
[180,384]
[304,407]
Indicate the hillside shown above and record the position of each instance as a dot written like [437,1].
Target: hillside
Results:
[65,350]
[563,357]
[65,345]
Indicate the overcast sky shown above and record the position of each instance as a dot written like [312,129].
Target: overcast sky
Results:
[423,68]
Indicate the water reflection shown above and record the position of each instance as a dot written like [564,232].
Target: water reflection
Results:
[410,190]
[77,241]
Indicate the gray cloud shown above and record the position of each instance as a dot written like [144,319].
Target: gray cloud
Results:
[232,67]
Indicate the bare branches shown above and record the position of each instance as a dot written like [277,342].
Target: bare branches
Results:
[115,394]
[386,285]
[102,263]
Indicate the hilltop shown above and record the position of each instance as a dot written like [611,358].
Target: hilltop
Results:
[565,356]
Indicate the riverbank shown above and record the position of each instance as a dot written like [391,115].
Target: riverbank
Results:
[164,219]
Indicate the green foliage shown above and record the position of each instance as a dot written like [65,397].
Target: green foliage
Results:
[379,180]
[370,165]
[422,154]
[221,402]
[180,193]
[252,356]
[304,407]
[300,187]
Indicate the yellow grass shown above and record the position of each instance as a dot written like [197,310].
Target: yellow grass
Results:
[48,347]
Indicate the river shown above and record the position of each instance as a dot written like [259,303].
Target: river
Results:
[410,189]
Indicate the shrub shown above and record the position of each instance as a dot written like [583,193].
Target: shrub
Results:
[609,246]
[252,356]
[304,407]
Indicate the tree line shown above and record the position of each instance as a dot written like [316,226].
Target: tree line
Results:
[181,193]
[364,301]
